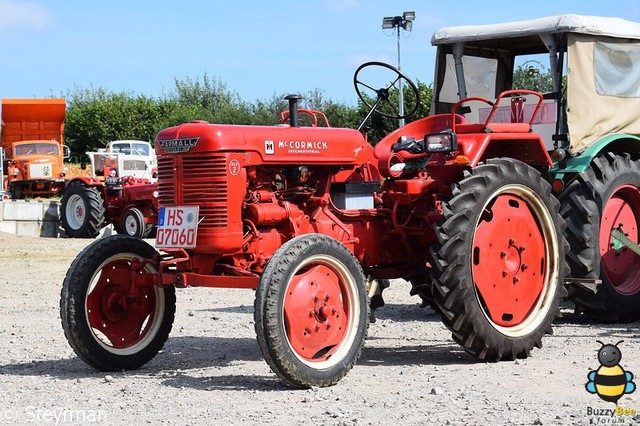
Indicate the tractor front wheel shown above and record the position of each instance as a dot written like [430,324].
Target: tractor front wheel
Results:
[311,311]
[82,211]
[133,223]
[109,324]
[604,198]
[499,261]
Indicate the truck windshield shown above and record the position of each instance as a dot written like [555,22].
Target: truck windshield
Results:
[130,148]
[37,148]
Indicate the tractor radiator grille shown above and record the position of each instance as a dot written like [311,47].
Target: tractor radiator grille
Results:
[195,181]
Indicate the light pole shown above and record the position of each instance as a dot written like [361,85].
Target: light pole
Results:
[405,22]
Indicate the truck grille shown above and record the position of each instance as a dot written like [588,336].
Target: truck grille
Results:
[195,181]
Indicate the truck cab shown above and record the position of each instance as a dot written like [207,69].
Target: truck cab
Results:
[32,139]
[123,158]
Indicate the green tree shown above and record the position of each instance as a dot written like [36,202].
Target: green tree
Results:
[209,99]
[380,126]
[97,116]
[531,77]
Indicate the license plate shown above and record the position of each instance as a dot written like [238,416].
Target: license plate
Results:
[177,227]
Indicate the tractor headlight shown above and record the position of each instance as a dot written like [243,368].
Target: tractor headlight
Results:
[64,172]
[441,142]
[15,172]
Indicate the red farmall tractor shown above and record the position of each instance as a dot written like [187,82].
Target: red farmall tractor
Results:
[121,191]
[315,219]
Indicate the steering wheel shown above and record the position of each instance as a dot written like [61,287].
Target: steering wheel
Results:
[382,95]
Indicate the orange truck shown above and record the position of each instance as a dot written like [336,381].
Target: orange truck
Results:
[32,142]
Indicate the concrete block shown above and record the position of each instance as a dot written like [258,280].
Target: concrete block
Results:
[23,210]
[29,229]
[106,232]
[8,226]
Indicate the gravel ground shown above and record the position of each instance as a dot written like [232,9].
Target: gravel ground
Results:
[211,370]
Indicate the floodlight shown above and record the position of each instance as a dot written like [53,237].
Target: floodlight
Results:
[388,22]
[409,16]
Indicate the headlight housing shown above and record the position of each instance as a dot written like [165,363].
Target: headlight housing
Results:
[441,142]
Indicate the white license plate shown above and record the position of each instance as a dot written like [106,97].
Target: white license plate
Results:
[177,227]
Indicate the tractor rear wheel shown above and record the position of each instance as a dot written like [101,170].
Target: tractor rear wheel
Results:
[109,325]
[311,311]
[605,197]
[499,262]
[82,211]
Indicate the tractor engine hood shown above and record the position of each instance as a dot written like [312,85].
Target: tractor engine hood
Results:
[267,144]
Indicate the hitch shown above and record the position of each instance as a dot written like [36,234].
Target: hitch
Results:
[620,240]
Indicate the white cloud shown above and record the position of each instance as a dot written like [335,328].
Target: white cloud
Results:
[24,14]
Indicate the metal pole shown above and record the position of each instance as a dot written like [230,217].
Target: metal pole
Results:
[400,94]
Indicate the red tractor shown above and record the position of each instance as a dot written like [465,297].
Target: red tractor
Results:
[89,204]
[121,191]
[314,218]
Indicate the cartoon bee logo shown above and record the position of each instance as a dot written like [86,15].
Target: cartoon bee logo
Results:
[610,381]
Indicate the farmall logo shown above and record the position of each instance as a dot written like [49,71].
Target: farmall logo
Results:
[303,147]
[171,146]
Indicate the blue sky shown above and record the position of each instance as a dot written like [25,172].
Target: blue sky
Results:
[257,48]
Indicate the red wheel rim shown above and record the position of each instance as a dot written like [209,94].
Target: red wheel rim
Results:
[318,311]
[509,260]
[621,267]
[119,320]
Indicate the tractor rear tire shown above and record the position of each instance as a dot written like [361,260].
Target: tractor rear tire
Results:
[604,197]
[107,326]
[82,211]
[499,266]
[311,311]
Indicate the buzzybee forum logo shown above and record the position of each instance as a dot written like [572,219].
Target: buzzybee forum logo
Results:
[610,382]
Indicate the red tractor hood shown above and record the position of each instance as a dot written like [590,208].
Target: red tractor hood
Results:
[269,144]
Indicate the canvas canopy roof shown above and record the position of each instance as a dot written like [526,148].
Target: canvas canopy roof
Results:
[580,24]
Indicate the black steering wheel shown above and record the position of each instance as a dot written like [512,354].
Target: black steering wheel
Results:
[382,95]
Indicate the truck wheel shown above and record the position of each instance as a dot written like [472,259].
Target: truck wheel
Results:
[133,223]
[311,311]
[15,191]
[499,262]
[82,211]
[107,326]
[604,197]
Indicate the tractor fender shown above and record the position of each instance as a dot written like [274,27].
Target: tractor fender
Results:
[86,180]
[622,143]
[527,147]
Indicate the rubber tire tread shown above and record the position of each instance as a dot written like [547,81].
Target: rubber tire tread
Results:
[95,215]
[269,327]
[582,203]
[72,306]
[454,290]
